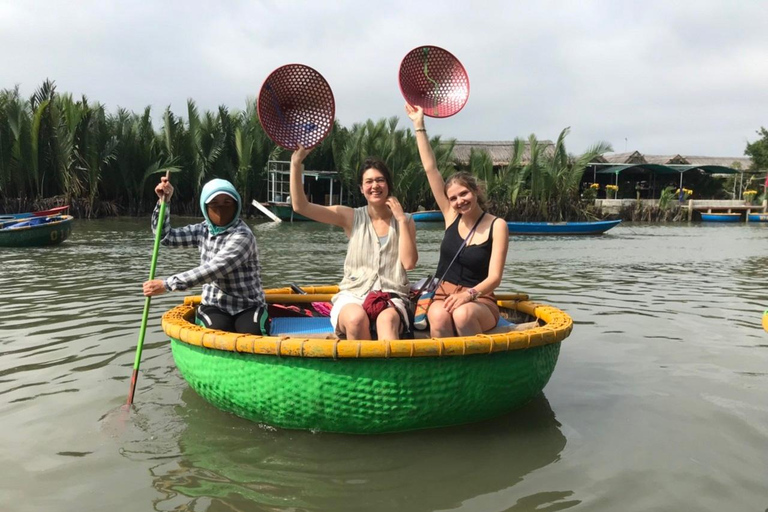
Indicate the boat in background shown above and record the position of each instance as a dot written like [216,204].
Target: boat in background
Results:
[35,231]
[284,211]
[758,217]
[42,213]
[561,228]
[321,187]
[428,216]
[721,217]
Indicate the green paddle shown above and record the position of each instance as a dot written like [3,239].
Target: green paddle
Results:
[140,344]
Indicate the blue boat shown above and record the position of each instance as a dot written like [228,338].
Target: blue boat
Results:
[428,216]
[721,217]
[561,228]
[758,217]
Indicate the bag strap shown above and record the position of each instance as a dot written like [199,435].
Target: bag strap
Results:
[425,286]
[463,244]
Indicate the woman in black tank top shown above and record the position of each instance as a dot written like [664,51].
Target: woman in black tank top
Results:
[464,304]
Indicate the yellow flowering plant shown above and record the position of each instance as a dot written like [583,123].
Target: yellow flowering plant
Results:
[611,191]
[590,192]
[687,192]
[750,194]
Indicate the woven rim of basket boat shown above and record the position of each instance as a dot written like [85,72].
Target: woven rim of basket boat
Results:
[178,324]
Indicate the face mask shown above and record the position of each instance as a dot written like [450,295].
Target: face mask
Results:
[211,190]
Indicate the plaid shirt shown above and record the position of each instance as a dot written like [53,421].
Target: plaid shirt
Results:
[229,264]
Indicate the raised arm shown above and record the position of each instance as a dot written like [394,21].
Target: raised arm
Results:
[436,182]
[342,216]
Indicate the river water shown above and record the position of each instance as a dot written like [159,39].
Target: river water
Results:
[658,401]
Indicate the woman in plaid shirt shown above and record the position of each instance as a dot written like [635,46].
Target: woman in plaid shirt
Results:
[233,297]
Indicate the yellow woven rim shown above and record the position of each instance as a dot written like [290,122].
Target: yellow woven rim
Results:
[178,323]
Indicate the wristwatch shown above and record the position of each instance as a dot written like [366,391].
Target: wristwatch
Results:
[473,294]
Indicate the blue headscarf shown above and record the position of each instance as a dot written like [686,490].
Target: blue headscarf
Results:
[212,189]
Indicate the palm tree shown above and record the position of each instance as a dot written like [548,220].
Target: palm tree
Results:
[96,149]
[397,148]
[16,159]
[561,175]
[140,154]
[205,144]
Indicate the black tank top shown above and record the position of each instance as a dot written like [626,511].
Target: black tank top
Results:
[471,267]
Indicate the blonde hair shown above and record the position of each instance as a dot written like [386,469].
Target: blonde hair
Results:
[469,181]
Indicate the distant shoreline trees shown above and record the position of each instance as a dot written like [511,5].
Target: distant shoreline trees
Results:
[55,149]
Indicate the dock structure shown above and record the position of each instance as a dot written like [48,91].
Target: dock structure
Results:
[614,206]
[723,206]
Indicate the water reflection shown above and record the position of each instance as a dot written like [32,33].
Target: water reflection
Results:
[226,463]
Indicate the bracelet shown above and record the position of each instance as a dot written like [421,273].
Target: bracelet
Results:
[420,130]
[473,294]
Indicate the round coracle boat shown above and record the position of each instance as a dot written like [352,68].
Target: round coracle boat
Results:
[304,377]
[35,231]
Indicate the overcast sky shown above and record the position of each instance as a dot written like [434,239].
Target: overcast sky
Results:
[688,77]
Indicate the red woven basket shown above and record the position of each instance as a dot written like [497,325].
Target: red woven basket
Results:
[296,106]
[435,80]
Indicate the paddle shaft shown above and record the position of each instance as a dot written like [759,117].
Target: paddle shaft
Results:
[145,315]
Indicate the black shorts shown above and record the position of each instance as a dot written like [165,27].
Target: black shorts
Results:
[251,321]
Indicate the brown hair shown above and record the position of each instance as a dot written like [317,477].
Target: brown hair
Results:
[379,165]
[469,181]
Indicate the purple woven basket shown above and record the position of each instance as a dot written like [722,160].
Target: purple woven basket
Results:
[296,106]
[435,80]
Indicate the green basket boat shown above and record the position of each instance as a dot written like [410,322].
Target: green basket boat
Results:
[35,231]
[314,381]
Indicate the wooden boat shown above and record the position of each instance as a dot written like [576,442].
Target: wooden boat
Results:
[284,211]
[303,377]
[721,217]
[42,213]
[561,228]
[428,216]
[35,231]
[758,217]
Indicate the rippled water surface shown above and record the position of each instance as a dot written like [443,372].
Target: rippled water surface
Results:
[658,401]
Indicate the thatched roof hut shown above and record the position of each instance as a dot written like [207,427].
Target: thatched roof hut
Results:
[635,157]
[739,162]
[500,151]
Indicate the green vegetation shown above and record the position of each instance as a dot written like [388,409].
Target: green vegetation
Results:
[758,150]
[55,149]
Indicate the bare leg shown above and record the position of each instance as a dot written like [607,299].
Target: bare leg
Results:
[472,318]
[388,324]
[440,321]
[353,322]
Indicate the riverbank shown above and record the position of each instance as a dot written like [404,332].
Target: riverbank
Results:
[633,210]
[650,210]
